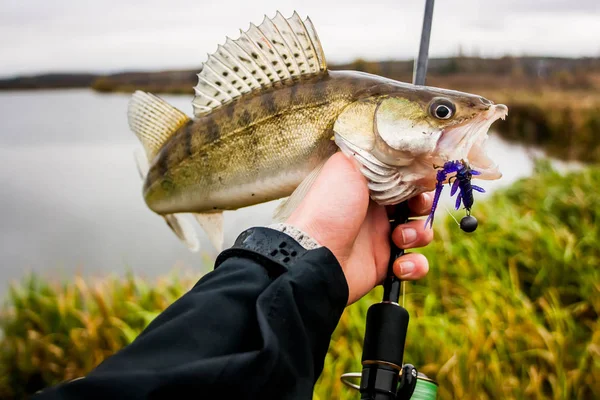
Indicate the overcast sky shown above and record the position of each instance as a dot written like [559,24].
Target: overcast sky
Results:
[113,35]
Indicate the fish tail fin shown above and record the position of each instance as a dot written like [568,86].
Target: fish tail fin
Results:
[154,121]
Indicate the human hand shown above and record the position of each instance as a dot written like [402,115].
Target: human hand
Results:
[338,213]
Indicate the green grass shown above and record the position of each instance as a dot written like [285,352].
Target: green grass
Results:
[52,332]
[510,311]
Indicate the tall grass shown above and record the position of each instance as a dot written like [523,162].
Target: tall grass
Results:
[52,332]
[510,311]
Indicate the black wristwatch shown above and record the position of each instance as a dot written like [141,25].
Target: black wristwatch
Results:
[275,250]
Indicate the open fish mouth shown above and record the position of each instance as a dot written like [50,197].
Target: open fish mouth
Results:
[467,142]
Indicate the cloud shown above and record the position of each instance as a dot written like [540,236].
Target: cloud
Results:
[562,6]
[124,34]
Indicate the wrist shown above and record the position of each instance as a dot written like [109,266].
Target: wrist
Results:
[311,227]
[299,235]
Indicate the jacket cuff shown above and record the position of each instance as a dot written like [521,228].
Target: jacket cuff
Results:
[273,249]
[323,264]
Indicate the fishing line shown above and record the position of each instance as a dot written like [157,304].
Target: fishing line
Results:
[403,292]
[452,215]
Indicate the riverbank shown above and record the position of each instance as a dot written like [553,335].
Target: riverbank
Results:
[564,123]
[472,71]
[510,311]
[554,103]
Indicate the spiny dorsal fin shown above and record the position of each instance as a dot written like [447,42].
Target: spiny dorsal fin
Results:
[153,121]
[277,50]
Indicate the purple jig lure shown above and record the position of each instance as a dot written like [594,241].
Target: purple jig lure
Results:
[462,181]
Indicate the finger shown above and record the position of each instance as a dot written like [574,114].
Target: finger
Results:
[411,266]
[412,234]
[421,205]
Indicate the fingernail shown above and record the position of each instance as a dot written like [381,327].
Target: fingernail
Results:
[409,235]
[406,268]
[427,200]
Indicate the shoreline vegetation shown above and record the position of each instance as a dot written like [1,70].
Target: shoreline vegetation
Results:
[554,103]
[511,311]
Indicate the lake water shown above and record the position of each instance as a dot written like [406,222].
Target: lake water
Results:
[71,196]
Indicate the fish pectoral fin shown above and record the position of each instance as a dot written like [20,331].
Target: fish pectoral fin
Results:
[212,224]
[287,206]
[184,230]
[153,121]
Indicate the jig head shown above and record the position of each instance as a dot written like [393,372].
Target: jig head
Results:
[461,180]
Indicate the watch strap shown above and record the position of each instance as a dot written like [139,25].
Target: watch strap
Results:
[273,249]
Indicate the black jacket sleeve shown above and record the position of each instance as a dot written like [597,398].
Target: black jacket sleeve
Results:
[238,334]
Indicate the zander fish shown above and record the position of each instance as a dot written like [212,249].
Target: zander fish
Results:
[268,114]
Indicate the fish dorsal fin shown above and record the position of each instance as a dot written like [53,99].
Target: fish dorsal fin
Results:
[279,49]
[153,121]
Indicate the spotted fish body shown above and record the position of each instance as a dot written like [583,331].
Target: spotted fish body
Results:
[256,149]
[268,114]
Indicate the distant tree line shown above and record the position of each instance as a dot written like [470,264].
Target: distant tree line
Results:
[564,72]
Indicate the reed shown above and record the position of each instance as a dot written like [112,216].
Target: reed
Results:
[509,312]
[51,331]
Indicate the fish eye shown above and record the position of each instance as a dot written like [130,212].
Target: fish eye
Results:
[442,112]
[442,109]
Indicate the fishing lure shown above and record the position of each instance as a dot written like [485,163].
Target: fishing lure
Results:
[462,181]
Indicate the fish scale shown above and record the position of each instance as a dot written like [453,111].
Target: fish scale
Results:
[278,131]
[268,112]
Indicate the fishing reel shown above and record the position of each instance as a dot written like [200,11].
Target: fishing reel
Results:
[384,376]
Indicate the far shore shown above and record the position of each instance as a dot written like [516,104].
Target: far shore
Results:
[554,103]
[456,72]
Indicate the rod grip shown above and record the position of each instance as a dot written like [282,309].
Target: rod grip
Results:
[385,334]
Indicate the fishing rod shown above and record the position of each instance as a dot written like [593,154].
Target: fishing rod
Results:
[384,375]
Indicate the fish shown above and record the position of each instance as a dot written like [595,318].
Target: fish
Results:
[268,114]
